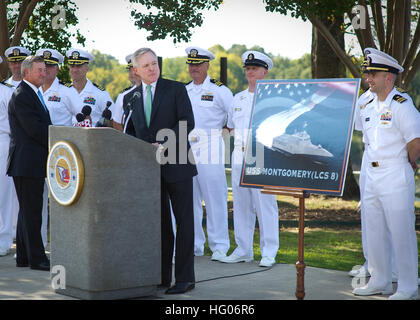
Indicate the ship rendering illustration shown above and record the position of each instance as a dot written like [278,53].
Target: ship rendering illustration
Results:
[299,144]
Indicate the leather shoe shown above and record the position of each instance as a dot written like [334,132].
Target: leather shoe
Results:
[181,287]
[43,266]
[22,264]
[164,285]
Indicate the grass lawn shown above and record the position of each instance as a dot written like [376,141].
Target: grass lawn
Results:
[324,247]
[337,248]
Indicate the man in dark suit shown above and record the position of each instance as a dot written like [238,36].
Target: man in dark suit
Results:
[164,104]
[29,120]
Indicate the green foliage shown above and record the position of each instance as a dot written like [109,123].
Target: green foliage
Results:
[170,17]
[284,68]
[40,32]
[414,90]
[303,8]
[107,72]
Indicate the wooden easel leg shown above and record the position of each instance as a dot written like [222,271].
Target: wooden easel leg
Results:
[300,265]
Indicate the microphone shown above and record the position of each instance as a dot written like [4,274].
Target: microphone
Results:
[82,121]
[135,96]
[80,117]
[86,111]
[105,120]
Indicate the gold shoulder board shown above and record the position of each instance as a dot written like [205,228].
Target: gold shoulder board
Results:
[399,98]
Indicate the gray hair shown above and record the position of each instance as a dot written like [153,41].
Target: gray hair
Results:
[28,63]
[140,52]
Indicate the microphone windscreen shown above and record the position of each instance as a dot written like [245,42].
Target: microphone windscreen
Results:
[86,110]
[107,114]
[108,104]
[80,117]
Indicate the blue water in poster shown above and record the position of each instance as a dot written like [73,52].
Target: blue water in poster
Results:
[303,130]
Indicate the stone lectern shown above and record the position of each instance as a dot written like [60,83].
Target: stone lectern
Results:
[107,241]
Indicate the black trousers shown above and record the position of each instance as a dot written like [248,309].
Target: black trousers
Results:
[29,247]
[181,196]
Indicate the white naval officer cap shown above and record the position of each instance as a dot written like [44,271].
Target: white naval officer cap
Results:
[16,53]
[78,56]
[381,62]
[129,61]
[51,56]
[255,58]
[197,55]
[369,50]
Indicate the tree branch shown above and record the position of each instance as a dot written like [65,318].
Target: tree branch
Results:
[389,25]
[24,22]
[379,23]
[22,11]
[4,37]
[358,31]
[409,74]
[336,48]
[407,28]
[367,32]
[398,29]
[413,47]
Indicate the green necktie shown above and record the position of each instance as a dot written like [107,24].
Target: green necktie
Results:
[148,106]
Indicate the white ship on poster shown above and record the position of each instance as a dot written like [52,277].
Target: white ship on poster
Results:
[299,144]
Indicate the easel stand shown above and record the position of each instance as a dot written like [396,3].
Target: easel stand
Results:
[300,265]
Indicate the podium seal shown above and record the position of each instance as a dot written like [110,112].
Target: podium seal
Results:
[65,173]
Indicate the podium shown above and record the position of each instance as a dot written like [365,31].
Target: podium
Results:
[107,242]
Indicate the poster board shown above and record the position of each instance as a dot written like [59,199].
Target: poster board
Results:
[300,135]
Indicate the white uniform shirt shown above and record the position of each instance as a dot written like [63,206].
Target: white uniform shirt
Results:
[5,94]
[239,118]
[63,103]
[388,126]
[95,98]
[13,82]
[117,109]
[210,103]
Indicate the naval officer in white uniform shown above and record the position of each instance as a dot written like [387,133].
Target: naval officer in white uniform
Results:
[15,55]
[247,202]
[391,131]
[210,100]
[9,206]
[117,108]
[91,94]
[63,103]
[364,98]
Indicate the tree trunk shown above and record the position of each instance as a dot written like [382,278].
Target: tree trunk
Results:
[326,64]
[4,38]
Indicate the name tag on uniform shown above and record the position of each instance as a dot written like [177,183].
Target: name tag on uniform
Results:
[367,119]
[207,97]
[54,98]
